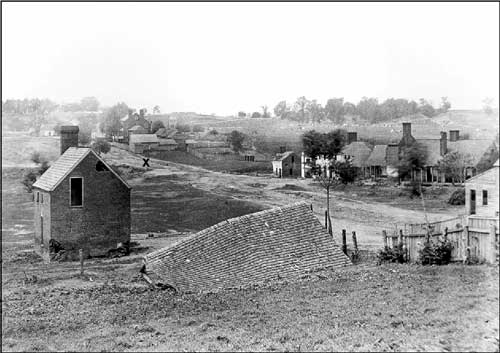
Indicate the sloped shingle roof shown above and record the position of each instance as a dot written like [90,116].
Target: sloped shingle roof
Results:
[474,148]
[143,138]
[282,156]
[167,142]
[285,242]
[359,151]
[65,165]
[433,150]
[378,156]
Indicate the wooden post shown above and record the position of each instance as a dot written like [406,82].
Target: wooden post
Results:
[311,207]
[326,219]
[344,241]
[445,234]
[466,242]
[80,252]
[400,238]
[384,238]
[493,244]
[355,243]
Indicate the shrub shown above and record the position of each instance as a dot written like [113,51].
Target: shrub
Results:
[183,128]
[36,157]
[438,253]
[29,179]
[395,254]
[157,125]
[457,198]
[347,173]
[198,128]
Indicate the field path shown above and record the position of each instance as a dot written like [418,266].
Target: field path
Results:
[368,219]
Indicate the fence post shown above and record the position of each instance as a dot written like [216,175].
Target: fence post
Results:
[344,242]
[80,252]
[384,238]
[355,244]
[466,242]
[493,244]
[326,219]
[445,234]
[400,238]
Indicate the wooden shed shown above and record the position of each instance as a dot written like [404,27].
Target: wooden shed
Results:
[481,193]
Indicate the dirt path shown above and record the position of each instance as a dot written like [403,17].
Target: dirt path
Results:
[366,218]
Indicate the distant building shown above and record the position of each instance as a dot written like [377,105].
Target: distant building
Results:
[80,202]
[138,143]
[132,119]
[481,193]
[286,164]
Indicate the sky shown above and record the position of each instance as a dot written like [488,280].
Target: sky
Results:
[227,57]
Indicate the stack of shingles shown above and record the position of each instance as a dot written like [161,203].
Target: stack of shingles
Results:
[285,242]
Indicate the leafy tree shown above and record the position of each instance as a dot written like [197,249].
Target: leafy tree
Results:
[368,109]
[183,128]
[313,143]
[328,145]
[300,108]
[111,124]
[236,140]
[453,165]
[156,109]
[426,108]
[411,158]
[315,111]
[198,128]
[334,110]
[101,146]
[346,172]
[242,114]
[282,110]
[90,104]
[157,125]
[445,105]
[265,113]
[334,142]
[256,115]
[349,109]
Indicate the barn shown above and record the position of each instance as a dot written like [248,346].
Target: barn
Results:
[481,193]
[80,203]
[285,242]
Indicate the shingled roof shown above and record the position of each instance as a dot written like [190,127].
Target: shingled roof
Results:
[282,156]
[359,151]
[284,242]
[143,138]
[378,156]
[65,165]
[474,148]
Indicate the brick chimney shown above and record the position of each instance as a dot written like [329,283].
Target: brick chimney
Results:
[443,144]
[406,129]
[352,137]
[454,135]
[69,137]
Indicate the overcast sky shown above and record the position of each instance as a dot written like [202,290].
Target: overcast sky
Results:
[222,58]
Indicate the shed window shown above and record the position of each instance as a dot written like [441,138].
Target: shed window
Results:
[485,197]
[76,190]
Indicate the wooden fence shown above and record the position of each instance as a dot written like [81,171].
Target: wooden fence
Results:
[472,238]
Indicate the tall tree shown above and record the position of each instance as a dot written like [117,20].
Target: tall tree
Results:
[300,108]
[453,165]
[265,113]
[334,110]
[368,109]
[156,109]
[282,110]
[111,124]
[315,111]
[236,140]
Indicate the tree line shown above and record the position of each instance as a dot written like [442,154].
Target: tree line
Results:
[368,109]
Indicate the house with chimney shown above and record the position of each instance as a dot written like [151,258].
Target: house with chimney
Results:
[286,164]
[384,159]
[135,122]
[481,193]
[80,203]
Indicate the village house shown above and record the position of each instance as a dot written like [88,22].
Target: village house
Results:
[286,165]
[481,193]
[80,203]
[133,119]
[139,143]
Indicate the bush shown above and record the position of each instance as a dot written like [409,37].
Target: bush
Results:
[347,173]
[157,125]
[29,179]
[198,128]
[457,198]
[395,254]
[183,128]
[435,253]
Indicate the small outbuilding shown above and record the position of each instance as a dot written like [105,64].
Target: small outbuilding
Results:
[80,203]
[481,193]
[138,143]
[286,164]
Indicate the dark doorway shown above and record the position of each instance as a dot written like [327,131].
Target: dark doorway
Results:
[291,171]
[472,202]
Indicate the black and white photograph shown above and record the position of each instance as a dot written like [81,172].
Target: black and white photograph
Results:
[250,176]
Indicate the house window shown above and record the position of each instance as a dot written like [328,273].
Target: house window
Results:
[293,159]
[76,191]
[37,196]
[485,197]
[41,198]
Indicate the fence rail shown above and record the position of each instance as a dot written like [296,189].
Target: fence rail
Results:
[472,238]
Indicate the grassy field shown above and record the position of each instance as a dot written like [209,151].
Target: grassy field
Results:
[47,307]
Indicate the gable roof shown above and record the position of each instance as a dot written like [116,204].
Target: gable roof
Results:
[64,165]
[285,242]
[137,127]
[359,151]
[283,156]
[167,142]
[474,148]
[433,150]
[378,156]
[143,138]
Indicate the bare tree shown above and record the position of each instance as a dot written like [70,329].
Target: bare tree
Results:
[328,179]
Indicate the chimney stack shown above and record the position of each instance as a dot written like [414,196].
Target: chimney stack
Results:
[69,137]
[443,144]
[352,137]
[406,129]
[454,135]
